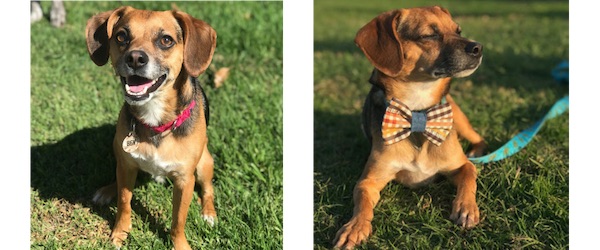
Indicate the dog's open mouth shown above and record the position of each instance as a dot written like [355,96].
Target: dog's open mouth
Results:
[139,87]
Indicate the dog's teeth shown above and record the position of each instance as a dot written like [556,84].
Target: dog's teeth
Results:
[139,90]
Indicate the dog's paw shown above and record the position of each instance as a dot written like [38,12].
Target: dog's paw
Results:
[181,244]
[477,149]
[209,214]
[465,213]
[353,233]
[117,237]
[211,220]
[105,194]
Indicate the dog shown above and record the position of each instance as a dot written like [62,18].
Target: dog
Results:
[161,129]
[409,116]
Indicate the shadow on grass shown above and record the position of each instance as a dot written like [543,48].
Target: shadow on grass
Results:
[76,166]
[340,151]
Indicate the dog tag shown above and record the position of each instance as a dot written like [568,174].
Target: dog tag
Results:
[130,143]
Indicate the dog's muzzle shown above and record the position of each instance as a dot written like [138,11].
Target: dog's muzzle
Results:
[140,77]
[459,62]
[474,49]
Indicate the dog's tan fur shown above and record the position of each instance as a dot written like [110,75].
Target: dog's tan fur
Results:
[181,47]
[415,52]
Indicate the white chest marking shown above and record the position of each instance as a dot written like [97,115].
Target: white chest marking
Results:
[416,167]
[421,95]
[154,165]
[152,111]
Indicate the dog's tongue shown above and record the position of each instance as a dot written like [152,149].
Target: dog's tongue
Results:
[137,84]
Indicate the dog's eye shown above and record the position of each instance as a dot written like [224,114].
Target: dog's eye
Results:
[458,31]
[166,41]
[434,36]
[122,38]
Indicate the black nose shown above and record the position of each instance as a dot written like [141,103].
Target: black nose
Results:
[474,49]
[136,59]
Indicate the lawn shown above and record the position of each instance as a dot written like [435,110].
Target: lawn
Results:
[524,200]
[74,107]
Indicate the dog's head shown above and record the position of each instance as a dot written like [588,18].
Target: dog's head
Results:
[149,50]
[418,44]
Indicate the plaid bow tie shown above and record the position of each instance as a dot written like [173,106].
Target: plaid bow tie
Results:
[399,121]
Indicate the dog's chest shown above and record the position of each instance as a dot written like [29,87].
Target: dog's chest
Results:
[152,112]
[418,167]
[414,174]
[415,165]
[152,163]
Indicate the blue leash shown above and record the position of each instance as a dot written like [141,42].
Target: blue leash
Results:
[561,74]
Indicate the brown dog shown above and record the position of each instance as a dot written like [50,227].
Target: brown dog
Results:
[162,125]
[414,52]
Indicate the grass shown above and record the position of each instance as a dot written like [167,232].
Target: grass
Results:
[523,200]
[74,107]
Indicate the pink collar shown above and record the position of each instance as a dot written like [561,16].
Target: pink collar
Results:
[185,114]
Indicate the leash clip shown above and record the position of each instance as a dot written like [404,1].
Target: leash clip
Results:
[132,130]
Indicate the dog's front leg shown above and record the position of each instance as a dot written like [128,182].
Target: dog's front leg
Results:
[183,190]
[464,207]
[204,176]
[365,196]
[465,130]
[126,176]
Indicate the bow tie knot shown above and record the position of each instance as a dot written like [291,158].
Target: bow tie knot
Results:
[399,122]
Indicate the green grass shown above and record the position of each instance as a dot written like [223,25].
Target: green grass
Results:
[74,107]
[523,200]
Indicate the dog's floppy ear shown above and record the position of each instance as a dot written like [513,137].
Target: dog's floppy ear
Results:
[442,9]
[379,41]
[200,40]
[98,32]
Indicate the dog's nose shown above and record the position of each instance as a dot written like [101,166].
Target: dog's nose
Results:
[474,49]
[137,59]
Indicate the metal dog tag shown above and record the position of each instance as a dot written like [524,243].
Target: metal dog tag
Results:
[130,143]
